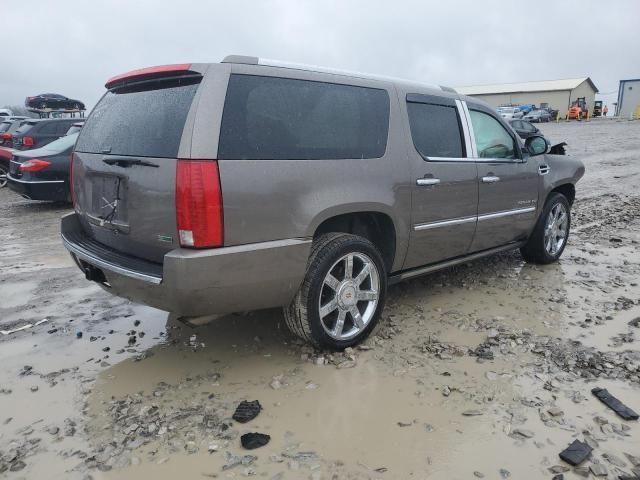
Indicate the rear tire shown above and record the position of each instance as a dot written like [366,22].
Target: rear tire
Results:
[550,235]
[343,293]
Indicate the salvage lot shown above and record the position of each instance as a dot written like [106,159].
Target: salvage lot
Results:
[480,371]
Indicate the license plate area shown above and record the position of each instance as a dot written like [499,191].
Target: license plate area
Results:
[109,202]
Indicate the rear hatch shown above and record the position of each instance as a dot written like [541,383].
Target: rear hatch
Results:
[125,160]
[16,140]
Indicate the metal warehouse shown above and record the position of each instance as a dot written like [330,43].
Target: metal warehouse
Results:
[556,94]
[629,98]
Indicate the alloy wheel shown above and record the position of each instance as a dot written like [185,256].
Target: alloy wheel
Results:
[349,296]
[556,229]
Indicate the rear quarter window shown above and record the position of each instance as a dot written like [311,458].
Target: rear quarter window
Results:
[278,118]
[146,120]
[24,128]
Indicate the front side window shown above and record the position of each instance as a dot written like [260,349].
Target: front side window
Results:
[274,118]
[492,139]
[435,130]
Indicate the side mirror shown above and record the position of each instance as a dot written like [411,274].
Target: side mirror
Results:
[536,145]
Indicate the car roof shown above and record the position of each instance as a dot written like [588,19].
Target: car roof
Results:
[248,60]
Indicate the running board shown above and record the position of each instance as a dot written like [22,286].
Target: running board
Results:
[416,272]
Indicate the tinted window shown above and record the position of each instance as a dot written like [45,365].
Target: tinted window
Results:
[277,118]
[435,130]
[50,128]
[24,128]
[145,120]
[492,139]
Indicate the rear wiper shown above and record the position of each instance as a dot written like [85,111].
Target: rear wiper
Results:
[127,162]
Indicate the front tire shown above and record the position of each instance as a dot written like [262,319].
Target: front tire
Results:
[343,293]
[3,176]
[550,235]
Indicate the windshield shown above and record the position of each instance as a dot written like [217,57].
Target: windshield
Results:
[62,143]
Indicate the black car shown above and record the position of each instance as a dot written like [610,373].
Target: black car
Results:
[54,101]
[524,129]
[7,129]
[37,133]
[43,173]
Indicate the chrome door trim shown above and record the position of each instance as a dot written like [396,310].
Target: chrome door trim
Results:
[506,213]
[490,179]
[465,127]
[444,223]
[13,179]
[472,153]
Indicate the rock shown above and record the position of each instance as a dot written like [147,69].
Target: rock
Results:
[446,391]
[598,470]
[34,388]
[53,430]
[247,411]
[635,461]
[576,453]
[78,334]
[17,465]
[404,424]
[555,412]
[558,469]
[504,473]
[232,461]
[254,440]
[558,477]
[521,432]
[582,471]
[478,474]
[276,382]
[613,460]
[132,340]
[472,413]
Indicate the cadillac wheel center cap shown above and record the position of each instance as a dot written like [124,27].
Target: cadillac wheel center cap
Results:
[347,295]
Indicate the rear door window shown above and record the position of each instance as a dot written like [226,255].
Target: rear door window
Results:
[435,130]
[278,118]
[144,120]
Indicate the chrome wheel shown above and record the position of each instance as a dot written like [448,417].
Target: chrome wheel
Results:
[349,296]
[3,177]
[556,229]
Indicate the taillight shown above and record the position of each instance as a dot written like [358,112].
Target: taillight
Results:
[34,165]
[199,204]
[27,141]
[6,136]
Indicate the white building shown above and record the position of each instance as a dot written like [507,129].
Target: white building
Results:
[556,94]
[629,98]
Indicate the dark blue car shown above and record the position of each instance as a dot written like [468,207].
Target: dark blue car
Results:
[53,101]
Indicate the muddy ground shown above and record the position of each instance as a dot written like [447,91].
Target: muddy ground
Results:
[480,371]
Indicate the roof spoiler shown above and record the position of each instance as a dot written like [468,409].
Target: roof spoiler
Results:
[175,70]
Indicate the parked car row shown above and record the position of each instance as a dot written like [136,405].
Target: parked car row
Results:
[35,156]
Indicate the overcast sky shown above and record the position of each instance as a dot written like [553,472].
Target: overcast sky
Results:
[72,46]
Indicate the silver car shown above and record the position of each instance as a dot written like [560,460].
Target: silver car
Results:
[247,184]
[510,113]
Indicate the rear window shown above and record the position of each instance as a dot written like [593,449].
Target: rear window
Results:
[144,120]
[276,118]
[435,130]
[24,128]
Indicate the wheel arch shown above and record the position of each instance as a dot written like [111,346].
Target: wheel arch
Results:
[566,189]
[376,226]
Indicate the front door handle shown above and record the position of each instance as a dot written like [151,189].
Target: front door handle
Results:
[427,181]
[490,179]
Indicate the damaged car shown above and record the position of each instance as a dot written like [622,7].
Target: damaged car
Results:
[251,184]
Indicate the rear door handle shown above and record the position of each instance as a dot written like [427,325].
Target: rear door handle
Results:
[490,179]
[427,181]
